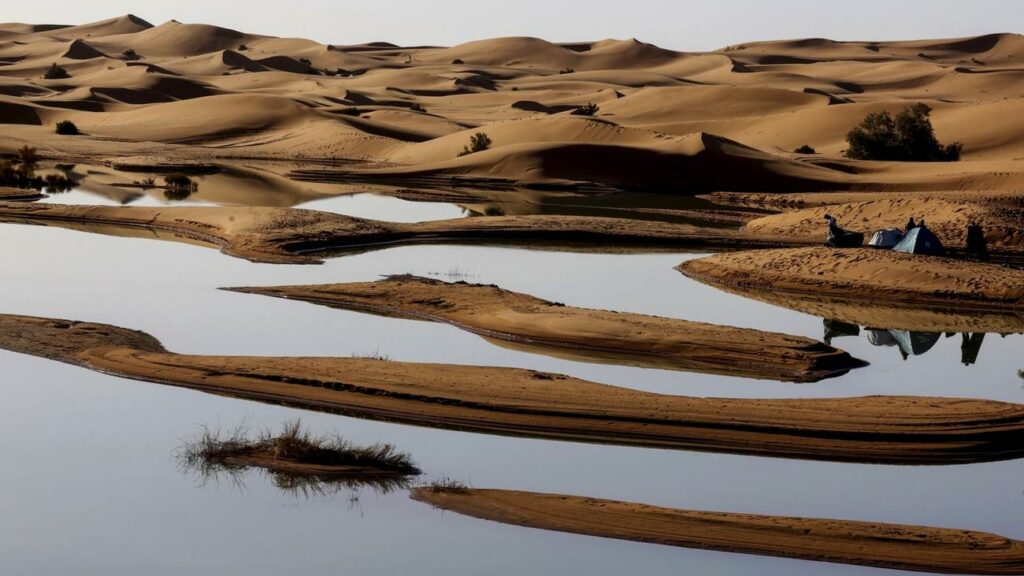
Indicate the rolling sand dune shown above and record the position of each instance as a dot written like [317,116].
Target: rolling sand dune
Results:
[894,546]
[875,429]
[681,121]
[867,275]
[295,236]
[591,335]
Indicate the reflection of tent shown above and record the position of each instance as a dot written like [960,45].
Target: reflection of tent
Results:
[880,338]
[970,345]
[836,328]
[920,241]
[915,343]
[886,238]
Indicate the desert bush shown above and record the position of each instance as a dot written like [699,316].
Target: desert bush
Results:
[417,108]
[569,70]
[477,143]
[586,109]
[131,54]
[909,137]
[242,47]
[805,149]
[447,486]
[494,211]
[306,61]
[55,72]
[458,61]
[67,128]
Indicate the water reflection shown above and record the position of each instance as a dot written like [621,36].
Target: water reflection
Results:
[907,342]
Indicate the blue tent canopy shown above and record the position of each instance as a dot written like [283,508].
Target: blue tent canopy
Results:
[920,241]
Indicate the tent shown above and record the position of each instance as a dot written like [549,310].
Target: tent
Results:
[886,238]
[920,240]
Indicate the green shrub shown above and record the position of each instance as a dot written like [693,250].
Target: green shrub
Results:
[805,149]
[908,138]
[67,128]
[55,72]
[477,143]
[586,109]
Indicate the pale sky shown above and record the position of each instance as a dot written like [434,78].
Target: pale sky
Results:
[677,24]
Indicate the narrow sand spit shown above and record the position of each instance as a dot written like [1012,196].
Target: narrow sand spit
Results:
[895,546]
[874,429]
[591,335]
[866,275]
[296,236]
[8,194]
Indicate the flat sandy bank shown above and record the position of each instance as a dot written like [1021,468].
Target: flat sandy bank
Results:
[589,334]
[876,429]
[296,236]
[896,546]
[867,275]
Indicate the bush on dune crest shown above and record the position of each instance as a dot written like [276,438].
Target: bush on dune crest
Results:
[67,128]
[477,143]
[586,109]
[908,138]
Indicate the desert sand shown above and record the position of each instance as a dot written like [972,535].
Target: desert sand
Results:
[867,275]
[721,120]
[895,546]
[871,429]
[591,335]
[297,236]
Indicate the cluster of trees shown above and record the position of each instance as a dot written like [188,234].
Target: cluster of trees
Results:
[909,137]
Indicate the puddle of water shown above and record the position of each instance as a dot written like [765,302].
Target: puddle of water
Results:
[388,208]
[92,486]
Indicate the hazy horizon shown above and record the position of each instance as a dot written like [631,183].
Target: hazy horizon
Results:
[682,25]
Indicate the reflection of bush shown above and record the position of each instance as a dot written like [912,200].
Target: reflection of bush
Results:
[216,454]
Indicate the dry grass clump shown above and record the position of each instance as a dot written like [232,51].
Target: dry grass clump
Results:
[446,486]
[294,444]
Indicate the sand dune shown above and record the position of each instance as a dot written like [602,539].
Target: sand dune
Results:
[877,429]
[590,335]
[412,109]
[894,546]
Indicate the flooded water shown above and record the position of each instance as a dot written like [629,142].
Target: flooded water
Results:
[90,484]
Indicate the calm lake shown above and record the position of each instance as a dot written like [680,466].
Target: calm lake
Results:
[91,486]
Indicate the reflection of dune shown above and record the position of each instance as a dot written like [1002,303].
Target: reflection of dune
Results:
[895,546]
[877,429]
[889,315]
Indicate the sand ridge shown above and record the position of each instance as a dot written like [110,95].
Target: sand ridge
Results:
[601,335]
[894,546]
[871,429]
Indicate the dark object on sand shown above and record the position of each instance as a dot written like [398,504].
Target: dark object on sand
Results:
[839,238]
[977,246]
[920,240]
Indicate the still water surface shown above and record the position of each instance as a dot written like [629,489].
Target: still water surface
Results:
[90,485]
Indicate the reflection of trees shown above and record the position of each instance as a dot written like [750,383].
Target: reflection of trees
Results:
[908,342]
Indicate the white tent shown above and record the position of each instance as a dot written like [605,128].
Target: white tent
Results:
[886,238]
